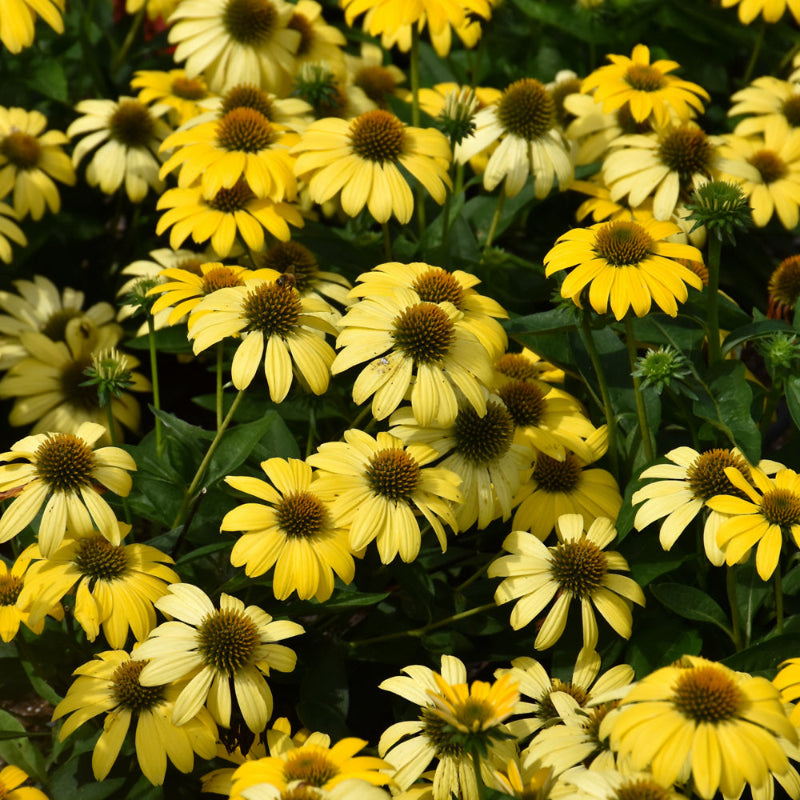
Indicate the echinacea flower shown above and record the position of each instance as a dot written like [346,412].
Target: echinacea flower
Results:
[30,158]
[784,289]
[776,156]
[39,306]
[9,231]
[232,41]
[174,89]
[11,780]
[219,219]
[576,568]
[627,264]
[115,585]
[769,512]
[63,472]
[319,42]
[770,10]
[763,99]
[17,18]
[699,721]
[225,653]
[363,161]
[646,87]
[683,490]
[378,486]
[127,135]
[524,122]
[12,612]
[292,530]
[110,685]
[425,347]
[276,326]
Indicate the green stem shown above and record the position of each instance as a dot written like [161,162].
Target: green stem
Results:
[418,632]
[110,421]
[712,307]
[448,198]
[387,241]
[754,55]
[151,331]
[600,374]
[476,766]
[312,432]
[414,69]
[122,53]
[220,359]
[736,623]
[778,599]
[360,416]
[644,429]
[496,218]
[188,496]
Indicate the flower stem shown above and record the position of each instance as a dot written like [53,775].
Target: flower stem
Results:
[419,632]
[712,308]
[220,358]
[754,55]
[448,198]
[600,374]
[151,331]
[110,421]
[122,53]
[414,69]
[736,623]
[476,766]
[641,413]
[188,496]
[496,218]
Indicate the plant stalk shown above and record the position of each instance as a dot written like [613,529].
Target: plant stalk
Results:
[641,413]
[712,308]
[151,331]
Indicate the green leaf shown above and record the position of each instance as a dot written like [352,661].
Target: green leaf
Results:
[691,603]
[660,643]
[237,443]
[755,330]
[791,390]
[40,686]
[324,691]
[751,592]
[168,340]
[49,79]
[765,656]
[19,751]
[724,401]
[682,332]
[353,599]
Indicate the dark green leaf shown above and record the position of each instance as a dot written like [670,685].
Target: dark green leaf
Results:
[49,79]
[764,657]
[755,330]
[791,390]
[691,603]
[20,751]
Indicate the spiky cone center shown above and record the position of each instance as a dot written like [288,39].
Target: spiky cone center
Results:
[784,283]
[226,640]
[244,130]
[553,476]
[527,109]
[438,733]
[471,716]
[131,124]
[250,22]
[687,151]
[64,462]
[578,567]
[623,243]
[706,475]
[311,765]
[10,587]
[423,332]
[483,440]
[641,789]
[516,366]
[393,473]
[378,136]
[770,165]
[301,24]
[593,722]
[98,559]
[525,402]
[189,88]
[272,308]
[376,82]
[791,110]
[21,149]
[55,328]
[301,515]
[706,694]
[221,277]
[230,200]
[301,792]
[129,693]
[247,95]
[781,507]
[644,78]
[547,709]
[291,258]
[438,286]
